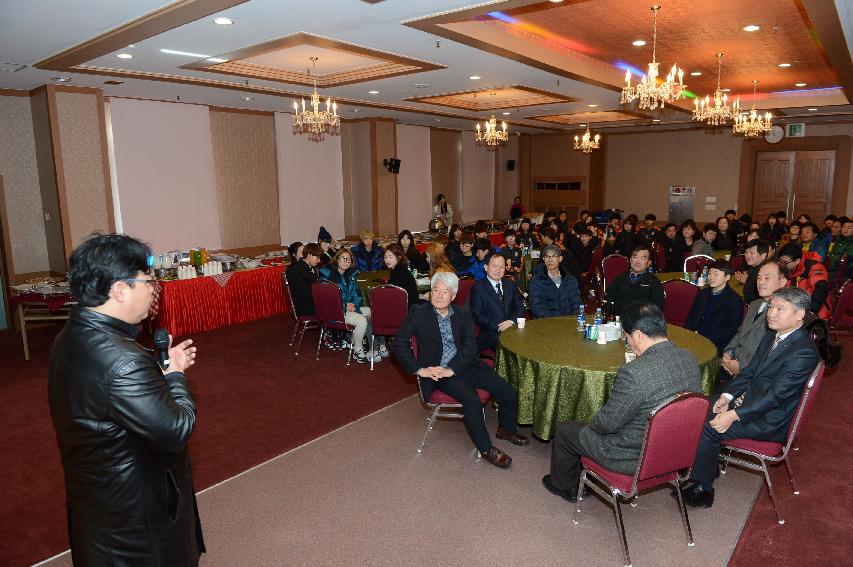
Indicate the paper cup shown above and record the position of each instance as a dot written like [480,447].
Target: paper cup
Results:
[521,321]
[629,356]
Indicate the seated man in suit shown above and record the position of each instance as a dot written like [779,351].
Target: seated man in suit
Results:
[717,311]
[637,284]
[301,275]
[740,350]
[755,252]
[495,303]
[771,386]
[614,437]
[447,359]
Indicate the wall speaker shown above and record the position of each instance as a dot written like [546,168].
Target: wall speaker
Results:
[392,165]
[510,165]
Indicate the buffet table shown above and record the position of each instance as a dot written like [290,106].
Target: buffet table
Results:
[39,307]
[560,376]
[210,302]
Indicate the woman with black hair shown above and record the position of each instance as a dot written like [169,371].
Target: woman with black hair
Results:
[417,261]
[772,230]
[525,236]
[628,239]
[442,209]
[683,246]
[726,237]
[400,276]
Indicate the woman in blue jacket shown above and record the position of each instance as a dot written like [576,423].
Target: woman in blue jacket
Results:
[552,291]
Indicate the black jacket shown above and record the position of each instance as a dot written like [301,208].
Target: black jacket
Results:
[721,324]
[122,428]
[548,300]
[750,286]
[625,242]
[489,312]
[300,277]
[401,277]
[623,293]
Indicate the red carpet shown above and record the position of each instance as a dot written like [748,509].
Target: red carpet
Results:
[817,522]
[255,401]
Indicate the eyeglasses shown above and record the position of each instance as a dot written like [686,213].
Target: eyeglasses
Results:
[344,259]
[155,285]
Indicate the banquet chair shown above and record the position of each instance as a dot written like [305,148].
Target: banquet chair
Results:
[738,263]
[591,279]
[771,452]
[840,269]
[669,447]
[389,306]
[680,296]
[329,309]
[697,262]
[303,322]
[465,285]
[841,319]
[611,267]
[442,405]
[658,256]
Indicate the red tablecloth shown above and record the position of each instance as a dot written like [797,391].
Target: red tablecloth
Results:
[202,304]
[53,302]
[422,246]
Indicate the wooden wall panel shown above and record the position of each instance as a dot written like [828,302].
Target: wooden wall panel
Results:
[357,174]
[445,148]
[384,146]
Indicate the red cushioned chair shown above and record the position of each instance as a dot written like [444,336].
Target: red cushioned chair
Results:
[590,280]
[770,452]
[441,404]
[697,262]
[465,285]
[669,448]
[840,270]
[739,263]
[658,256]
[328,306]
[680,296]
[389,306]
[611,267]
[841,319]
[303,322]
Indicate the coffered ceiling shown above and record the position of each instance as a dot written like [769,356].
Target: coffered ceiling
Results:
[446,63]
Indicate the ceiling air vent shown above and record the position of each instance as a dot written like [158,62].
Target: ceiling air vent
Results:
[6,66]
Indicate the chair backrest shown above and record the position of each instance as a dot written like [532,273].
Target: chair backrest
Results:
[672,436]
[328,304]
[738,263]
[389,306]
[806,402]
[680,296]
[842,313]
[612,266]
[840,269]
[465,286]
[659,256]
[597,256]
[697,262]
[289,295]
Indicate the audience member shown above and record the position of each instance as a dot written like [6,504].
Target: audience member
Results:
[793,235]
[755,252]
[417,260]
[649,232]
[704,245]
[637,284]
[463,260]
[726,236]
[512,252]
[455,234]
[301,276]
[328,245]
[481,230]
[495,303]
[582,249]
[628,238]
[668,239]
[563,222]
[447,359]
[581,224]
[482,251]
[526,236]
[400,275]
[843,246]
[553,291]
[828,221]
[442,209]
[804,219]
[517,210]
[771,386]
[614,436]
[806,272]
[438,260]
[613,228]
[811,241]
[683,246]
[741,348]
[294,251]
[717,310]
[835,231]
[368,255]
[772,230]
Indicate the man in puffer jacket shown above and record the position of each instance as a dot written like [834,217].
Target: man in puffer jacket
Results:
[552,290]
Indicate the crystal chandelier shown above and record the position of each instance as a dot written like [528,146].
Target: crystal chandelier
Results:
[650,93]
[720,112]
[587,143]
[752,125]
[315,122]
[490,136]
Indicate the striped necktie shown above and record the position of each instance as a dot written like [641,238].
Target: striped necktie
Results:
[500,292]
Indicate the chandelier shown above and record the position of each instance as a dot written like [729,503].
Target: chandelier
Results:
[650,93]
[720,112]
[313,121]
[752,125]
[587,143]
[490,136]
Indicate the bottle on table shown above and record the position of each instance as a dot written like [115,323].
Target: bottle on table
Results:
[599,317]
[581,318]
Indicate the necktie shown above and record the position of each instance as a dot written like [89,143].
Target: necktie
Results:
[776,341]
[500,292]
[761,310]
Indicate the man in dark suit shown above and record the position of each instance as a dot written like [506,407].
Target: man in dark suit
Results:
[447,359]
[614,437]
[717,311]
[301,275]
[637,284]
[771,387]
[495,303]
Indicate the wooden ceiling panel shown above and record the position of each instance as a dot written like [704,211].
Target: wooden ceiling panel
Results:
[514,96]
[589,117]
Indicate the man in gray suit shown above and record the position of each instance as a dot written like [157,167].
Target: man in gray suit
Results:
[614,437]
[772,276]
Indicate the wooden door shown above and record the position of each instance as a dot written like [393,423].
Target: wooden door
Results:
[774,179]
[812,189]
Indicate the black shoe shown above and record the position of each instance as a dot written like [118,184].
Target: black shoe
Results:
[571,494]
[695,496]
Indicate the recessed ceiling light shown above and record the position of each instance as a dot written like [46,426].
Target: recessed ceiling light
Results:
[356,109]
[814,109]
[800,84]
[592,105]
[696,73]
[132,45]
[475,77]
[248,98]
[506,113]
[60,79]
[582,125]
[784,64]
[217,60]
[555,1]
[124,56]
[655,119]
[373,92]
[751,27]
[438,119]
[223,21]
[638,42]
[185,53]
[421,85]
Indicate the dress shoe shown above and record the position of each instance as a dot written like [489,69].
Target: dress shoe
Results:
[514,438]
[497,457]
[695,496]
[571,494]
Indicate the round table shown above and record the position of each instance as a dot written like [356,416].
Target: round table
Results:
[560,376]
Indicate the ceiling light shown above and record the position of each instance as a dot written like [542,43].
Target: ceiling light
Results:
[421,85]
[800,84]
[696,73]
[223,21]
[784,64]
[248,98]
[475,77]
[638,42]
[217,60]
[582,125]
[751,27]
[725,90]
[438,119]
[124,56]
[506,113]
[814,109]
[592,105]
[185,53]
[373,92]
[655,119]
[555,1]
[60,79]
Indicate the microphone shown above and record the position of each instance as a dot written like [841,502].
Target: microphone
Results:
[161,342]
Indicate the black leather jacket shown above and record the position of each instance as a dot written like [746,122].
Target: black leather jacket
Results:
[122,430]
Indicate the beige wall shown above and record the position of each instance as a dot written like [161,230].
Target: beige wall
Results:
[245,169]
[414,182]
[19,168]
[506,182]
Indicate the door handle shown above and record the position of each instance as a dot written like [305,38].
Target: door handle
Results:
[793,204]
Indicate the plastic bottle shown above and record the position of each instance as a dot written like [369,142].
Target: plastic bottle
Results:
[581,318]
[599,317]
[619,327]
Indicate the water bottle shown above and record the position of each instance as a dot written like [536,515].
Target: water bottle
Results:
[581,319]
[599,317]
[619,327]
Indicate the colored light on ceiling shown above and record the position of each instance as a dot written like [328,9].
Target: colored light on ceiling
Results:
[542,32]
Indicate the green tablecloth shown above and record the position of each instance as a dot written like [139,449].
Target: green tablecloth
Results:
[560,376]
[664,276]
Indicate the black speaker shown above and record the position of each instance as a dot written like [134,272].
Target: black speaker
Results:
[392,165]
[510,165]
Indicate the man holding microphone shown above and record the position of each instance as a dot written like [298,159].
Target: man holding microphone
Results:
[122,422]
